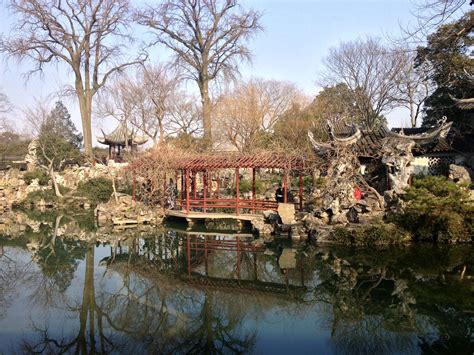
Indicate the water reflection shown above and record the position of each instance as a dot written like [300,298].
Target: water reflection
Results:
[195,292]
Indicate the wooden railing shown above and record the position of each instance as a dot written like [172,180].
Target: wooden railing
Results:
[253,205]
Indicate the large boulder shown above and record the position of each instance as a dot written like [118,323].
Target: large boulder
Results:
[125,211]
[460,174]
[286,211]
[287,259]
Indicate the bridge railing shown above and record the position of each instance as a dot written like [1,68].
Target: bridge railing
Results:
[239,205]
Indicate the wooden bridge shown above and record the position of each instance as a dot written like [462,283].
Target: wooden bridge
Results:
[193,216]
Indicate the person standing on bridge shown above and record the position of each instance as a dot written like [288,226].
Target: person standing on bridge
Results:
[279,197]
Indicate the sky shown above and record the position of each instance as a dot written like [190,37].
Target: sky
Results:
[297,36]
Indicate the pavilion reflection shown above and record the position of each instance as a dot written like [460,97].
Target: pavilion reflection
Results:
[210,260]
[178,292]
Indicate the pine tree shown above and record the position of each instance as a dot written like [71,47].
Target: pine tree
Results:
[448,55]
[59,143]
[60,124]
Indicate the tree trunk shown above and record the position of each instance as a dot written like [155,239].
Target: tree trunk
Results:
[206,112]
[162,130]
[412,115]
[85,106]
[55,183]
[114,189]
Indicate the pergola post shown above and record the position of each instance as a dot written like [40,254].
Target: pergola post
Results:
[253,190]
[301,191]
[204,189]
[194,184]
[238,258]
[134,188]
[285,187]
[189,254]
[182,188]
[186,172]
[237,190]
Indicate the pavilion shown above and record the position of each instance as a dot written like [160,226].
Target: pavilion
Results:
[121,138]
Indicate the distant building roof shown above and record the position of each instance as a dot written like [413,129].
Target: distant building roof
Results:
[122,136]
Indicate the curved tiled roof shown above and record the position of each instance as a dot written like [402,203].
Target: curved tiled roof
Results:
[122,136]
[371,141]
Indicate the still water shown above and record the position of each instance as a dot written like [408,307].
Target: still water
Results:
[170,291]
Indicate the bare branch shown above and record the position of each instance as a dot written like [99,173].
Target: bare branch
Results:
[207,37]
[371,71]
[88,36]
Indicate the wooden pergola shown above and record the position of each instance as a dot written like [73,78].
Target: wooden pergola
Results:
[189,169]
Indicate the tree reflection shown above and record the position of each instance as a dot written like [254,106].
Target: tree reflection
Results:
[13,270]
[167,294]
[377,306]
[86,341]
[149,311]
[214,330]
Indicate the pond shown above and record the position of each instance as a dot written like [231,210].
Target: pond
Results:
[172,291]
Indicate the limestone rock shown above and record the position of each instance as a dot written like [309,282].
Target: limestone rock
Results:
[286,211]
[262,227]
[127,212]
[287,259]
[340,218]
[460,174]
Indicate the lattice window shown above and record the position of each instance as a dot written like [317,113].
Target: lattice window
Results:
[439,165]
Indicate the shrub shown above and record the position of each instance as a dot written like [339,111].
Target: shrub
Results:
[47,195]
[246,186]
[41,175]
[437,209]
[96,190]
[125,187]
[377,234]
[307,182]
[320,182]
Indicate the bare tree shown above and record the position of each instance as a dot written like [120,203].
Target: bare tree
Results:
[429,15]
[413,86]
[185,116]
[5,107]
[252,108]
[146,100]
[35,116]
[207,37]
[87,36]
[161,86]
[370,70]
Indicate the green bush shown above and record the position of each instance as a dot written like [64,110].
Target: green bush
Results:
[320,182]
[96,190]
[377,234]
[307,181]
[41,175]
[125,187]
[47,195]
[245,186]
[437,209]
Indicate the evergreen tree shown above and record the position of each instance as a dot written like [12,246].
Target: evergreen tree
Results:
[448,55]
[59,143]
[59,123]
